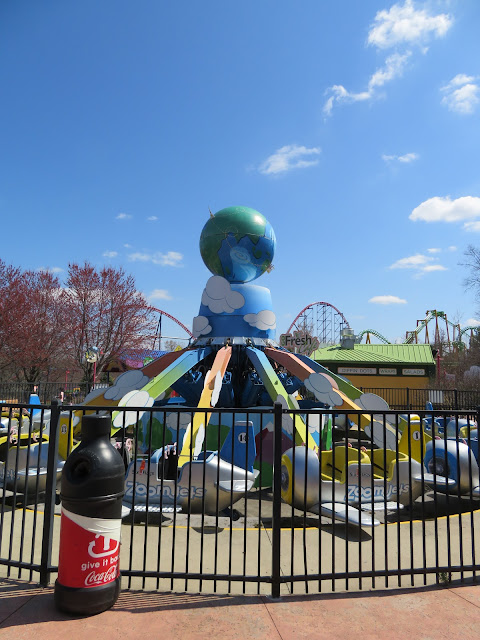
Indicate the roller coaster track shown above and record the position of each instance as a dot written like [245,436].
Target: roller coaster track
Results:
[373,333]
[323,320]
[411,337]
[167,315]
[465,329]
[453,333]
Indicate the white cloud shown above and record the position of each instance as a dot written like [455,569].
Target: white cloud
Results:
[399,27]
[126,382]
[387,300]
[420,263]
[290,157]
[262,320]
[124,216]
[170,259]
[403,24]
[110,254]
[458,81]
[472,322]
[462,94]
[412,262]
[472,226]
[94,393]
[50,269]
[444,209]
[201,326]
[219,297]
[178,421]
[372,403]
[159,294]
[152,218]
[404,159]
[132,399]
[434,250]
[339,94]
[322,389]
[393,68]
[452,248]
[434,267]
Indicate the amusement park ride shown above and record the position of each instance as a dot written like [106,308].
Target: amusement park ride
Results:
[325,321]
[233,362]
[446,333]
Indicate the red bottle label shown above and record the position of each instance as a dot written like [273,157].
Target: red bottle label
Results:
[89,550]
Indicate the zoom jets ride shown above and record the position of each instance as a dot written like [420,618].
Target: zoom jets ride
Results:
[343,482]
[208,484]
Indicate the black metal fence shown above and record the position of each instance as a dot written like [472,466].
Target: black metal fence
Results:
[243,508]
[416,399]
[73,392]
[401,399]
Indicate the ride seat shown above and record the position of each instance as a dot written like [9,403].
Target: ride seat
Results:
[341,456]
[384,461]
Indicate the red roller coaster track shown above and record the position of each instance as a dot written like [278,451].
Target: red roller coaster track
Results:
[164,313]
[326,318]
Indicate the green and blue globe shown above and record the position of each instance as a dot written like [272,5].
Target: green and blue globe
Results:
[237,243]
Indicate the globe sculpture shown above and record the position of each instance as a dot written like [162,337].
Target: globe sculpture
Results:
[238,244]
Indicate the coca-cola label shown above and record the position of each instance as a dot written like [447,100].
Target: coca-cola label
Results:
[89,550]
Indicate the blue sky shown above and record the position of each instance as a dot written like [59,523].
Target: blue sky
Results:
[352,126]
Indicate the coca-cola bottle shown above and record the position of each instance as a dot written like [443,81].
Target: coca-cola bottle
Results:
[92,489]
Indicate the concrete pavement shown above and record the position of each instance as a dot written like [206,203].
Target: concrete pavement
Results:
[423,612]
[430,613]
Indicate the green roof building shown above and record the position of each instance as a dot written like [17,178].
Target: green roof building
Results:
[380,365]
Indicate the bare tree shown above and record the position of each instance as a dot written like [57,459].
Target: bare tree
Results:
[12,309]
[472,281]
[32,323]
[105,311]
[43,335]
[171,345]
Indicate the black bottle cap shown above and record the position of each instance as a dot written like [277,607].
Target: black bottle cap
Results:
[95,425]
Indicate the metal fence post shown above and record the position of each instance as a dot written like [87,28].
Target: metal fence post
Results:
[277,498]
[50,491]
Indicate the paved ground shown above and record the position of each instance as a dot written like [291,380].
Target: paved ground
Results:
[432,613]
[424,613]
[308,547]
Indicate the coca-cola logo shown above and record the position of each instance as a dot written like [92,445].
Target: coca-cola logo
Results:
[103,577]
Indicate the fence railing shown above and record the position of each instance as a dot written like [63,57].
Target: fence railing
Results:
[73,392]
[401,399]
[416,399]
[247,509]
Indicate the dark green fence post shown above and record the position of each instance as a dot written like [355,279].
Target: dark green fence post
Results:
[277,498]
[50,491]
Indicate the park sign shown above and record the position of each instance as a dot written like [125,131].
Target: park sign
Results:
[299,342]
[91,355]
